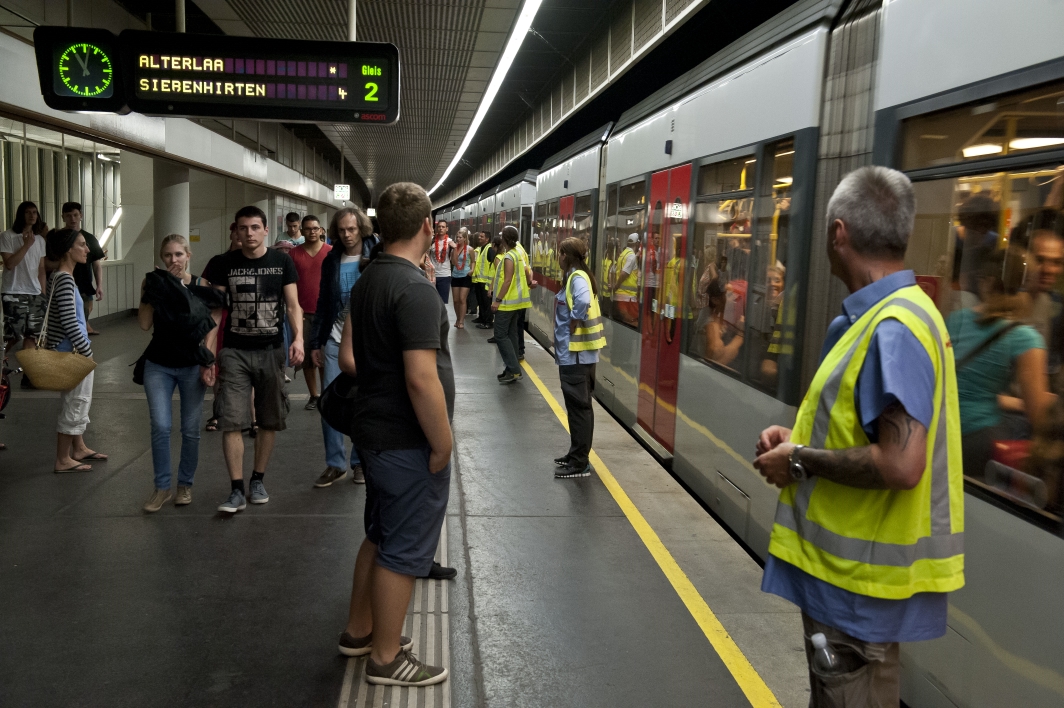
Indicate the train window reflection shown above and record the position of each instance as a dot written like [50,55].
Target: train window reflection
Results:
[1020,123]
[539,240]
[621,254]
[728,176]
[989,249]
[771,325]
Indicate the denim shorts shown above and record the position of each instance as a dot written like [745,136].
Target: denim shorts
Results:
[405,508]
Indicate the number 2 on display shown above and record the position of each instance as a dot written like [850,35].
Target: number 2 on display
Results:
[371,92]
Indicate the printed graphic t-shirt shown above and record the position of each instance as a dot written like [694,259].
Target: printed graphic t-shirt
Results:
[255,288]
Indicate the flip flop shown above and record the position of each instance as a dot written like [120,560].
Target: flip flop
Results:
[212,425]
[79,468]
[95,457]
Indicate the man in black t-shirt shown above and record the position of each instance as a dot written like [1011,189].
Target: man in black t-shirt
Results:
[91,268]
[395,337]
[261,286]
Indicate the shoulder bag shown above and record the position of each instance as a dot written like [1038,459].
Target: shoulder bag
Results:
[53,370]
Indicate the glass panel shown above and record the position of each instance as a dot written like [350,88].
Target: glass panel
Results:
[582,204]
[1020,123]
[626,231]
[609,250]
[729,176]
[582,217]
[552,240]
[769,325]
[989,250]
[720,252]
[539,240]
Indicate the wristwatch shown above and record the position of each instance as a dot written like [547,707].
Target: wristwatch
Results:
[798,472]
[498,299]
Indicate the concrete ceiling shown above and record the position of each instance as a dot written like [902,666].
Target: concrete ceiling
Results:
[447,48]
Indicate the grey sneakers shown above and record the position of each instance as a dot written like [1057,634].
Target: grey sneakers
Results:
[258,493]
[184,496]
[349,646]
[405,670]
[235,503]
[330,475]
[157,499]
[357,475]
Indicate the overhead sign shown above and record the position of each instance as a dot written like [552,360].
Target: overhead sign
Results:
[342,192]
[159,73]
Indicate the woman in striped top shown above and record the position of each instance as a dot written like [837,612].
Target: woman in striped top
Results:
[67,331]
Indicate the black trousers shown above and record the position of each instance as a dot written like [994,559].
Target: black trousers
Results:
[522,327]
[484,313]
[578,383]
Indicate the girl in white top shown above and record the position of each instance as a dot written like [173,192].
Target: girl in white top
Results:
[440,258]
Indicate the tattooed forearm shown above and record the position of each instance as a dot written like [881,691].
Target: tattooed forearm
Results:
[854,467]
[896,427]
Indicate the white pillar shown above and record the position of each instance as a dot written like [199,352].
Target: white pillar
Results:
[179,10]
[171,202]
[352,20]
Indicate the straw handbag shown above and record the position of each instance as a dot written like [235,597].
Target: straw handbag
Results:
[51,370]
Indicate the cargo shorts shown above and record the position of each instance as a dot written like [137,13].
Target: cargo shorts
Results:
[242,371]
[23,316]
[869,674]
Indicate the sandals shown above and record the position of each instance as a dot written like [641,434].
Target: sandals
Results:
[95,457]
[253,431]
[212,425]
[77,468]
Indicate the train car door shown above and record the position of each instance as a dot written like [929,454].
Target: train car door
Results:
[662,268]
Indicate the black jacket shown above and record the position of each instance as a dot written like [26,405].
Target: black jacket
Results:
[182,315]
[328,308]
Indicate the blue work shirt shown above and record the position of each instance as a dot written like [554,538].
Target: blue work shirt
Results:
[581,307]
[897,369]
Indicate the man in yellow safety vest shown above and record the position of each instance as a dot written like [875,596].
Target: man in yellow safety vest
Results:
[868,534]
[512,296]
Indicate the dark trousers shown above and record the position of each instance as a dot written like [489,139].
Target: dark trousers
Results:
[484,313]
[507,334]
[521,327]
[578,383]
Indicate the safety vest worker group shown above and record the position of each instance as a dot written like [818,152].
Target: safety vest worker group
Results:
[590,334]
[889,543]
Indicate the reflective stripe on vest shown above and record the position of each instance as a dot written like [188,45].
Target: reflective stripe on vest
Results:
[591,334]
[888,543]
[517,297]
[476,264]
[630,285]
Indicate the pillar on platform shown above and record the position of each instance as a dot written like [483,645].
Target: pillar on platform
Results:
[171,202]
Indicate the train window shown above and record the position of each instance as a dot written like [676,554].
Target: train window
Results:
[551,250]
[988,248]
[729,176]
[626,209]
[608,252]
[582,217]
[717,262]
[1016,124]
[539,240]
[769,324]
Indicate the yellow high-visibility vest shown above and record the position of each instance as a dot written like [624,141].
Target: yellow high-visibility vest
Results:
[591,334]
[517,296]
[630,285]
[480,264]
[886,543]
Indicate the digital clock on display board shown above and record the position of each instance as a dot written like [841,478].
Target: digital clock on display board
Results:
[78,69]
[247,77]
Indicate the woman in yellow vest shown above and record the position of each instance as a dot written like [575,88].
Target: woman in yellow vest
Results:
[868,534]
[578,336]
[512,295]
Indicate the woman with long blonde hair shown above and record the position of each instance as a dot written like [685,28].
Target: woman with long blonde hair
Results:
[176,306]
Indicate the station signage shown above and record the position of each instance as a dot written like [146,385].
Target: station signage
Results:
[342,192]
[168,74]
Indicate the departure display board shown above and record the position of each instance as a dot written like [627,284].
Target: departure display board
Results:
[171,74]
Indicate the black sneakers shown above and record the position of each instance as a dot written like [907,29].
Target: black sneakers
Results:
[439,572]
[562,461]
[571,471]
[349,646]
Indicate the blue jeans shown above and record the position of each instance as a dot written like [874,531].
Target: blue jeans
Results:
[334,439]
[159,385]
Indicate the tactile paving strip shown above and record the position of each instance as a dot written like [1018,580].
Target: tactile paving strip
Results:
[428,624]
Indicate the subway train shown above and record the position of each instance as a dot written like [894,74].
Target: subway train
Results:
[704,208]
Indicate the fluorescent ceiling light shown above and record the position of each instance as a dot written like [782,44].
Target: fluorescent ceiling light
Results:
[524,22]
[1034,143]
[111,227]
[785,180]
[980,150]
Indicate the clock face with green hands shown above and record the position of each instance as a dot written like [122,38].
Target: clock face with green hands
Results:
[85,70]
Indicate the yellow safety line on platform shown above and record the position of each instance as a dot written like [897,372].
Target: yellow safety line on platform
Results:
[751,683]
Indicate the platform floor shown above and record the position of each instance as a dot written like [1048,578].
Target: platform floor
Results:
[614,590]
